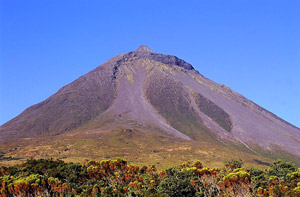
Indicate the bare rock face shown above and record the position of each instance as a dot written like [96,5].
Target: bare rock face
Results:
[154,92]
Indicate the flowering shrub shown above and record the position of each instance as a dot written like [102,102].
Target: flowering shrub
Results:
[118,178]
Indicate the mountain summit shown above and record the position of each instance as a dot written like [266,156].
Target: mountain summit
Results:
[142,104]
[145,49]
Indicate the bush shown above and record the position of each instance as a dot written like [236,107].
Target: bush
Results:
[177,183]
[233,164]
[281,168]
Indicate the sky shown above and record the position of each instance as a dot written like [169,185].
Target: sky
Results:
[252,46]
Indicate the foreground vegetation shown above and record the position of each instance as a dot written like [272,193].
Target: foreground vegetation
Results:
[47,177]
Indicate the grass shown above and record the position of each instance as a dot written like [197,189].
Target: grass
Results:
[136,147]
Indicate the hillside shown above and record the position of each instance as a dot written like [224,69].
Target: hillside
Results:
[144,105]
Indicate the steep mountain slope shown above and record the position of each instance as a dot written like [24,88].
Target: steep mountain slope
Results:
[151,96]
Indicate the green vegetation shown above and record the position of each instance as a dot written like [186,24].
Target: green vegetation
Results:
[233,164]
[171,100]
[48,177]
[213,111]
[142,148]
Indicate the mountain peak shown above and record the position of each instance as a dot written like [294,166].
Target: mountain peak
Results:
[151,98]
[144,48]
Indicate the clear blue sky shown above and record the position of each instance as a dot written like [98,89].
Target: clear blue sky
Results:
[252,46]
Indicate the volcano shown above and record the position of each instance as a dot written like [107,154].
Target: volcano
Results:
[143,105]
